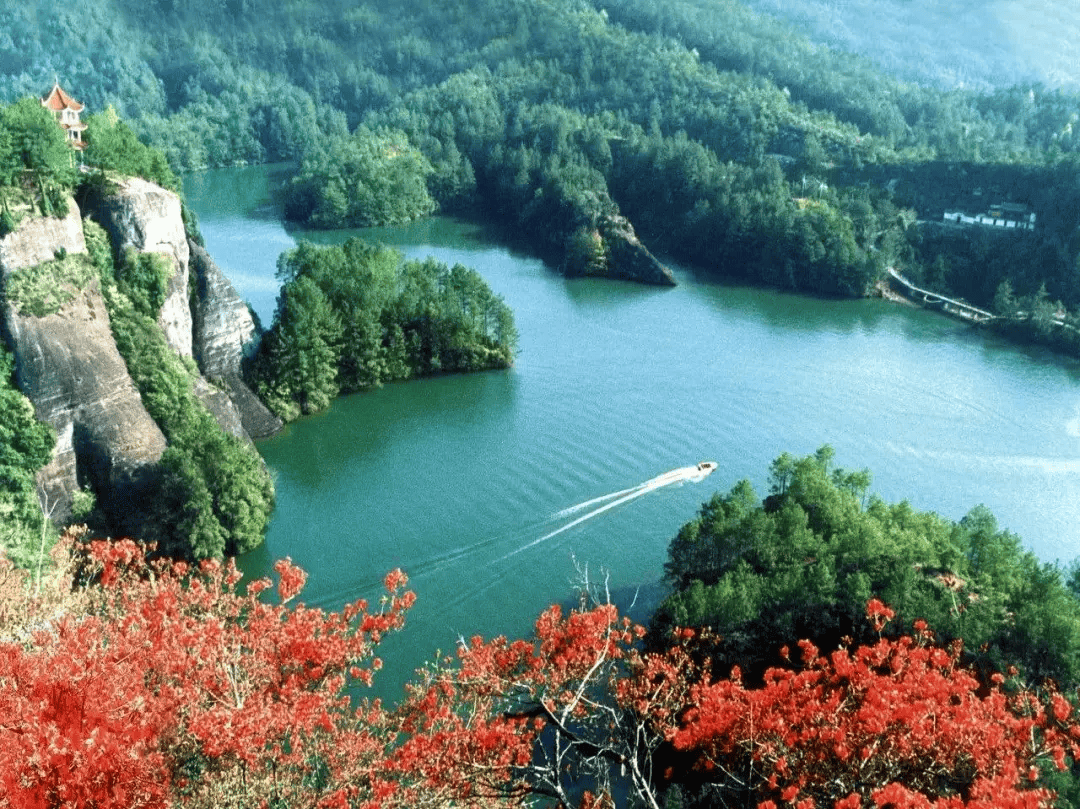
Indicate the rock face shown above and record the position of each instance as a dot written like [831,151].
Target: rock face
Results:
[141,215]
[603,244]
[144,217]
[39,239]
[68,365]
[628,258]
[223,326]
[224,332]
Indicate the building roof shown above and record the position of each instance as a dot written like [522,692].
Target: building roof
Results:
[58,100]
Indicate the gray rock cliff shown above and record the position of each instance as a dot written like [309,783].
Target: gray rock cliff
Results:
[145,217]
[216,326]
[39,239]
[224,332]
[68,365]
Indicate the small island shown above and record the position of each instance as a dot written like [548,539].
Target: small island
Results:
[356,316]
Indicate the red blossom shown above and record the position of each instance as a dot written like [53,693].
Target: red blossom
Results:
[170,686]
[291,579]
[916,719]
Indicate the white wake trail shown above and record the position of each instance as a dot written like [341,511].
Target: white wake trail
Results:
[634,493]
[566,512]
[694,474]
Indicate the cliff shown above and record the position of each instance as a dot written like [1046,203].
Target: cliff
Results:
[223,334]
[68,365]
[628,257]
[604,245]
[214,326]
[144,217]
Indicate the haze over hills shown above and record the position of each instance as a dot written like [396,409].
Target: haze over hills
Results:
[948,43]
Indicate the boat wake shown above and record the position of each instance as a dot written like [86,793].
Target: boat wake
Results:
[437,563]
[684,474]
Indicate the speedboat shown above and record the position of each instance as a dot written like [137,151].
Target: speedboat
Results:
[693,474]
[701,471]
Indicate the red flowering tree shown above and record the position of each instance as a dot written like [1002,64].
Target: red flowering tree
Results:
[896,724]
[565,712]
[893,725]
[169,685]
[162,685]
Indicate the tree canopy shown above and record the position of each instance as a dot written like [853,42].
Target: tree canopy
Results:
[803,561]
[356,316]
[369,178]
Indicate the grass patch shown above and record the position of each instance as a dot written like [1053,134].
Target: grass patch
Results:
[43,289]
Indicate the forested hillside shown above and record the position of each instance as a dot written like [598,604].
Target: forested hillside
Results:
[730,141]
[948,42]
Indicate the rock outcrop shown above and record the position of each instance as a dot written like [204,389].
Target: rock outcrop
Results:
[224,332]
[145,217]
[216,327]
[628,258]
[39,239]
[68,365]
[603,244]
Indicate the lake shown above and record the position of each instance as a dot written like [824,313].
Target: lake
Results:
[468,483]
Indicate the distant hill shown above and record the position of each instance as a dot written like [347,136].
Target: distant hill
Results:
[948,43]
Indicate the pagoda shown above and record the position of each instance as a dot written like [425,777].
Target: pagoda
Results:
[66,111]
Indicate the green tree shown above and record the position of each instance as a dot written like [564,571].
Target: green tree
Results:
[1004,300]
[355,316]
[26,445]
[38,145]
[373,177]
[804,562]
[297,368]
[113,146]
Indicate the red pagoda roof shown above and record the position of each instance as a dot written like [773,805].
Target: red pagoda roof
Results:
[58,100]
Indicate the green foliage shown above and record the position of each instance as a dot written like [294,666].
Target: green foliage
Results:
[26,445]
[7,221]
[804,561]
[216,496]
[112,146]
[144,279]
[44,288]
[34,154]
[83,505]
[587,252]
[369,178]
[37,143]
[356,316]
[99,249]
[300,352]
